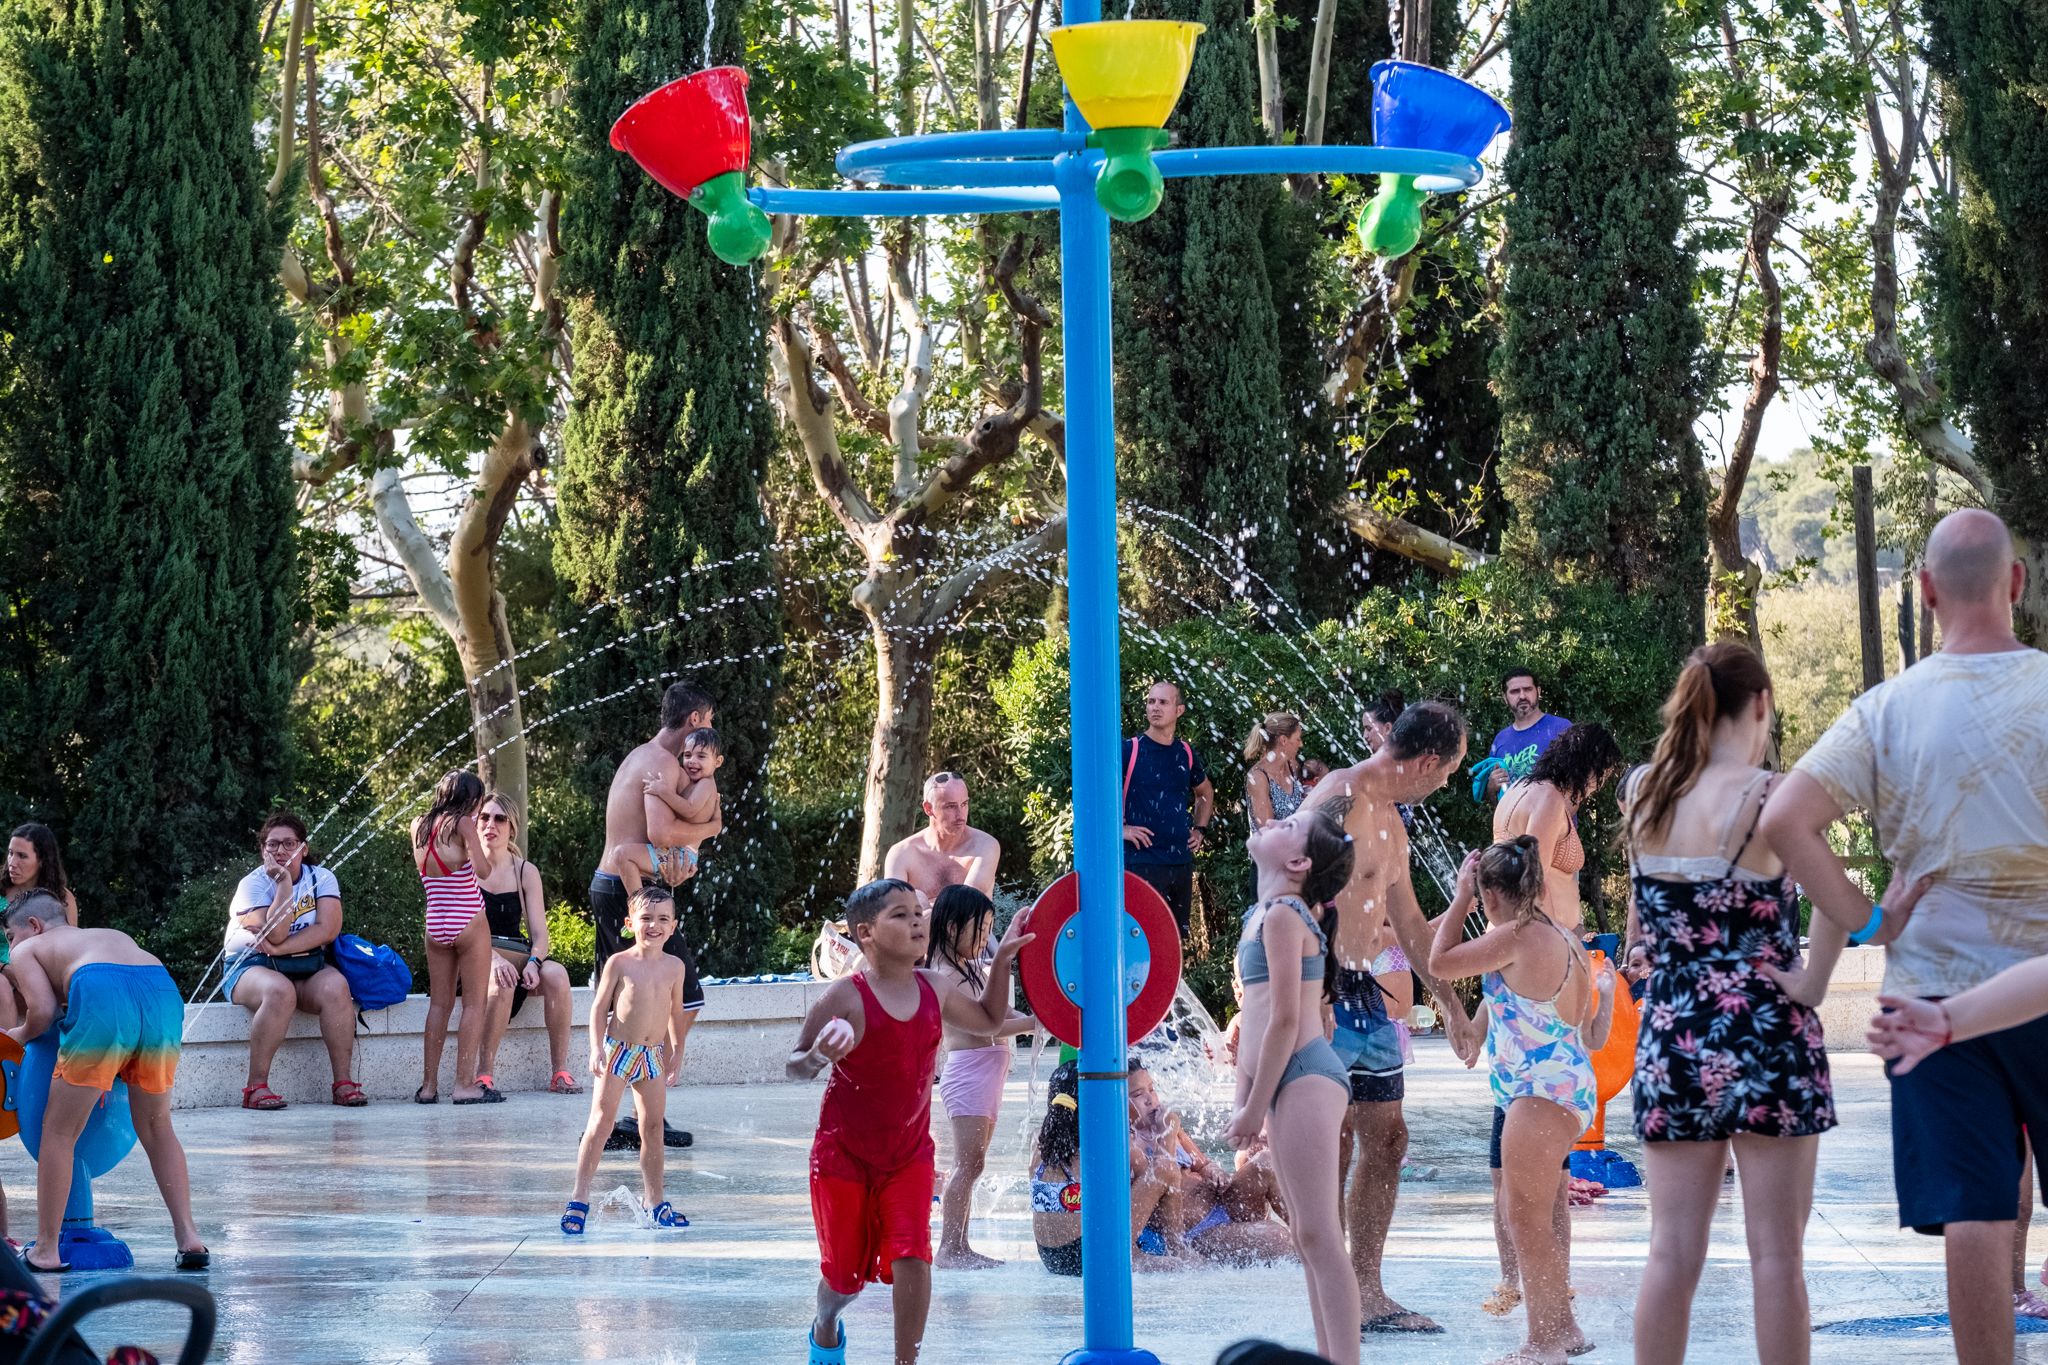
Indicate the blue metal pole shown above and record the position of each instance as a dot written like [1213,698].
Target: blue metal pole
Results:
[1098,793]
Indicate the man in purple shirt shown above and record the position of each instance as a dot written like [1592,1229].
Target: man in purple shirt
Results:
[1516,747]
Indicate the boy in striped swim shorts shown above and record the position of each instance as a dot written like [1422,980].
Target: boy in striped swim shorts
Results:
[119,1017]
[636,1020]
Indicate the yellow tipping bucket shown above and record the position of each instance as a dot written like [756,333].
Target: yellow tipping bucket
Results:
[1125,73]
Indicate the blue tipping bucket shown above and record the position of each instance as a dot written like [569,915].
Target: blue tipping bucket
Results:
[1421,107]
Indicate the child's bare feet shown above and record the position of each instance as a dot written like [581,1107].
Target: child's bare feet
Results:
[963,1258]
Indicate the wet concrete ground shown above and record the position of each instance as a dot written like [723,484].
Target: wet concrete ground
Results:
[401,1233]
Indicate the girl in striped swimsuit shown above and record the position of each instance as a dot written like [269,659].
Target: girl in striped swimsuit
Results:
[449,854]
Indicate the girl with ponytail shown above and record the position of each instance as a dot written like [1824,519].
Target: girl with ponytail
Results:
[1546,1013]
[1273,789]
[1730,1052]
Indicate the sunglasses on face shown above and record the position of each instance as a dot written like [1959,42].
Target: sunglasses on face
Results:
[492,818]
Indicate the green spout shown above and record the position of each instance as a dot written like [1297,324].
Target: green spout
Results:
[739,231]
[1392,223]
[1128,187]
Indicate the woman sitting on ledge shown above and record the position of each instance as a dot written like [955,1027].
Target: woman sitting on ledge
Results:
[280,922]
[519,934]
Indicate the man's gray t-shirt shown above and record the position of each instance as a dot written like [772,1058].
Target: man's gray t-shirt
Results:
[1951,760]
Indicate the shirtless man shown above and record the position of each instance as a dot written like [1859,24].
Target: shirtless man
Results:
[635,816]
[948,851]
[1422,750]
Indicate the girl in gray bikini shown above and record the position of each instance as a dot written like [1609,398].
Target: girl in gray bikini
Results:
[1290,1082]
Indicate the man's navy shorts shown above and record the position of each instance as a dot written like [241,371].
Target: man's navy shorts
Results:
[1957,1128]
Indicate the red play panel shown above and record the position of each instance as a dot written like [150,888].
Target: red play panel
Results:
[1054,923]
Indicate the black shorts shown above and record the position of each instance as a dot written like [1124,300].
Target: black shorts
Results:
[1959,1124]
[608,909]
[1366,1040]
[1500,1126]
[1064,1260]
[1176,883]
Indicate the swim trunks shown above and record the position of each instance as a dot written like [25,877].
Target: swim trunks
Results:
[632,1062]
[1366,1040]
[121,1023]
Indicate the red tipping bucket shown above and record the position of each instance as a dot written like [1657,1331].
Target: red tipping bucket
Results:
[690,130]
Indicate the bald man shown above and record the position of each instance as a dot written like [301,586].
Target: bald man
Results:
[948,851]
[1950,759]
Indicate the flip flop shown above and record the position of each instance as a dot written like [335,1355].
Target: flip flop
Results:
[564,1084]
[665,1216]
[195,1260]
[826,1355]
[420,1096]
[575,1213]
[61,1268]
[1388,1323]
[489,1096]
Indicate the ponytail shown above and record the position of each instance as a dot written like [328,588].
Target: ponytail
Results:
[1717,681]
[1276,725]
[1513,870]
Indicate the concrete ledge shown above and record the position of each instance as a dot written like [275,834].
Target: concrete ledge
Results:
[742,1036]
[1852,999]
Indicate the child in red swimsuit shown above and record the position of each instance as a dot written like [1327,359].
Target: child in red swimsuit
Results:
[871,1163]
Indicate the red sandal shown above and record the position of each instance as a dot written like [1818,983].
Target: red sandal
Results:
[261,1097]
[564,1084]
[349,1095]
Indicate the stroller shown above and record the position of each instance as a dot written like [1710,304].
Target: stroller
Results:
[35,1331]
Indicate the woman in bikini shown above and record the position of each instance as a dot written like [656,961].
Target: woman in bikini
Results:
[517,913]
[1291,1085]
[971,1084]
[1540,992]
[1273,789]
[448,852]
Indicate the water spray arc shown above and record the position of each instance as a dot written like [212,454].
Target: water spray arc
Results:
[1107,161]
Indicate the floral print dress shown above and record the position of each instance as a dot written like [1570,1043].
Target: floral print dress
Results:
[1722,1050]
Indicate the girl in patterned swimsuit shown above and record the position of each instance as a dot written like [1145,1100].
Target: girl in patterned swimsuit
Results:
[1727,1054]
[1540,992]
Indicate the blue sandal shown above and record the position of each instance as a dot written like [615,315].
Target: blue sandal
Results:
[665,1216]
[826,1355]
[573,1216]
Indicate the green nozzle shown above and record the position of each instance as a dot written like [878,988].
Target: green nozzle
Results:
[739,230]
[1392,223]
[1128,187]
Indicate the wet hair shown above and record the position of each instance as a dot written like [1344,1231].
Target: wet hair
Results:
[1579,760]
[1387,707]
[650,895]
[864,906]
[704,737]
[1513,870]
[1716,681]
[1059,1132]
[1255,1352]
[1518,672]
[1277,725]
[1427,727]
[458,793]
[49,862]
[955,912]
[680,702]
[37,905]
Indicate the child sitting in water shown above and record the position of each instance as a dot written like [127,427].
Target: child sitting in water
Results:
[871,1162]
[122,1019]
[635,1017]
[696,804]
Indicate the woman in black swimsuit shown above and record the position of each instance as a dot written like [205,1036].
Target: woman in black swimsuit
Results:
[519,934]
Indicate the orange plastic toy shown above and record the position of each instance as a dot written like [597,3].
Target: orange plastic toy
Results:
[1614,1064]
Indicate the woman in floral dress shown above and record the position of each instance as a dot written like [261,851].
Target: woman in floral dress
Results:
[1730,1051]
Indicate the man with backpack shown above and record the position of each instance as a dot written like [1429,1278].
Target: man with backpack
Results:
[1167,801]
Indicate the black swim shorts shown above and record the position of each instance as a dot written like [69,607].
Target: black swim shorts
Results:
[1959,1121]
[608,909]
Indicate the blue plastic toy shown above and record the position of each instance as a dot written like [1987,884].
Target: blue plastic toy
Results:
[109,1136]
[1122,79]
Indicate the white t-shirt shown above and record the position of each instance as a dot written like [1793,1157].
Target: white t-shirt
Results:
[1951,760]
[257,891]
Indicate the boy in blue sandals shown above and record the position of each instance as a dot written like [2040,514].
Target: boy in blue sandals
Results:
[635,1019]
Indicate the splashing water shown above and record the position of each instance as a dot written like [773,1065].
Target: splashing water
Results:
[710,27]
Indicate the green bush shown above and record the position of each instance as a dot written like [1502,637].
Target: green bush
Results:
[572,940]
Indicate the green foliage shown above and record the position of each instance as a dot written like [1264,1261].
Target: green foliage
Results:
[1598,369]
[1992,251]
[661,545]
[1199,398]
[572,940]
[146,534]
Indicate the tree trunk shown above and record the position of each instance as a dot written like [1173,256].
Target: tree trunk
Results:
[483,639]
[2030,616]
[905,650]
[1735,579]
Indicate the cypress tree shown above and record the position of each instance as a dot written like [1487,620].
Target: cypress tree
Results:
[1598,364]
[146,535]
[1199,399]
[664,451]
[1992,253]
